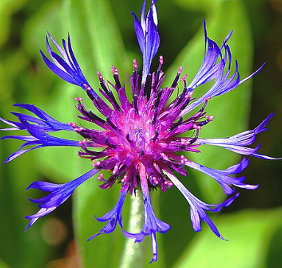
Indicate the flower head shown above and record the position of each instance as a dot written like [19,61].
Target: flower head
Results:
[139,141]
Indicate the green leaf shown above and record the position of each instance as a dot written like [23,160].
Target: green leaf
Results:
[251,235]
[95,37]
[15,177]
[7,9]
[97,45]
[231,112]
[3,264]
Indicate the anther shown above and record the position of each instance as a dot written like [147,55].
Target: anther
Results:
[100,76]
[161,62]
[96,164]
[78,99]
[115,170]
[135,66]
[116,76]
[184,78]
[183,159]
[135,98]
[155,180]
[209,118]
[101,177]
[78,129]
[114,70]
[175,82]
[124,179]
[168,183]
[72,124]
[82,142]
[87,87]
[180,70]
[196,126]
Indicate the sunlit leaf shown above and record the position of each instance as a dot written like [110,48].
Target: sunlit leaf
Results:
[97,44]
[231,110]
[250,235]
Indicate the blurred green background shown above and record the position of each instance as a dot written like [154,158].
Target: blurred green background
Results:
[102,35]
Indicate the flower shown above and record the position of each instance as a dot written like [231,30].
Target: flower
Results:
[139,141]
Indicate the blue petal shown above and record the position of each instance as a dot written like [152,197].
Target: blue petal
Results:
[58,71]
[147,36]
[223,176]
[238,143]
[113,217]
[59,194]
[198,207]
[66,65]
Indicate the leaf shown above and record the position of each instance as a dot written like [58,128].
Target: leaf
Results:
[231,112]
[14,207]
[3,264]
[7,9]
[97,45]
[96,36]
[250,234]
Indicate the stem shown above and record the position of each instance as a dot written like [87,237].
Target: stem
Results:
[133,254]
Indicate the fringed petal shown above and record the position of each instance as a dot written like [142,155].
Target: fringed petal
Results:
[59,194]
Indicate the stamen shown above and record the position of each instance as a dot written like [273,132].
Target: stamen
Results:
[127,137]
[116,76]
[147,90]
[195,126]
[102,82]
[88,91]
[124,179]
[158,98]
[175,125]
[101,177]
[175,82]
[82,142]
[109,144]
[72,124]
[184,80]
[89,114]
[161,62]
[87,87]
[135,99]
[116,168]
[96,164]
[156,136]
[209,118]
[195,138]
[168,184]
[183,159]
[180,98]
[108,92]
[111,123]
[135,66]
[187,100]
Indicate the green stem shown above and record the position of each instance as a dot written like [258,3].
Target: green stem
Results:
[133,254]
